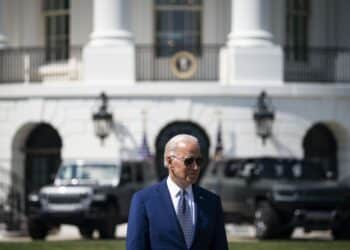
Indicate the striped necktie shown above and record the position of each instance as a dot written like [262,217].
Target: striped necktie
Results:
[185,218]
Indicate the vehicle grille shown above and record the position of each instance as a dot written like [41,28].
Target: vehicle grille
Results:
[60,199]
[323,193]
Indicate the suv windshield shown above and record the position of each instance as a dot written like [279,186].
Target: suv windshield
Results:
[285,168]
[88,172]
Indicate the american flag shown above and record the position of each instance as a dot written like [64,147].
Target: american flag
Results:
[144,151]
[219,146]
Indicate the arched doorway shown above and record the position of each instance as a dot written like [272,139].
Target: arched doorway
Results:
[42,157]
[319,145]
[180,127]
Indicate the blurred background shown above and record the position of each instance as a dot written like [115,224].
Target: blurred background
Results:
[115,79]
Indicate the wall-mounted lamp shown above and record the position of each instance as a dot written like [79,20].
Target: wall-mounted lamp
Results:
[102,119]
[263,116]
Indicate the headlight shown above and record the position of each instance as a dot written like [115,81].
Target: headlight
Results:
[33,197]
[84,195]
[99,197]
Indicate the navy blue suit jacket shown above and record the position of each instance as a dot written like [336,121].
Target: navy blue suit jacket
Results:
[153,222]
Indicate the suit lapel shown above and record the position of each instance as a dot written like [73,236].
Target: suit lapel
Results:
[170,210]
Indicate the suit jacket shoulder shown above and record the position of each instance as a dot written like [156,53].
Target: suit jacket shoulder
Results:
[147,192]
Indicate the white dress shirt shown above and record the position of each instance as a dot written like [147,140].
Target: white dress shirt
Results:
[174,190]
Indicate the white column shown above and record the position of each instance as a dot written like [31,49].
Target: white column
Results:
[251,55]
[110,26]
[250,23]
[3,40]
[109,55]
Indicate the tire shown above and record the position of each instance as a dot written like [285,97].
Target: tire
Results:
[286,233]
[341,230]
[109,223]
[266,222]
[37,229]
[54,230]
[86,232]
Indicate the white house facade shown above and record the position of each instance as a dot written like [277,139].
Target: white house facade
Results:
[170,66]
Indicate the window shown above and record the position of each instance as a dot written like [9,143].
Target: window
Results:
[96,172]
[232,168]
[139,173]
[56,19]
[298,14]
[178,26]
[126,175]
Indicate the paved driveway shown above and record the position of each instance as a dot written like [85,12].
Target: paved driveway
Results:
[234,233]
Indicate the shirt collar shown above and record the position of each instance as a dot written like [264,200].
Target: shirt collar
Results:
[174,189]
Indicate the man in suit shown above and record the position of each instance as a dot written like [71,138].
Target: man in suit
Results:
[176,214]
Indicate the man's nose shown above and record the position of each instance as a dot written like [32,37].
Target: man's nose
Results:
[195,165]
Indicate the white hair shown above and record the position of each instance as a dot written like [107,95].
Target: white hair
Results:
[172,145]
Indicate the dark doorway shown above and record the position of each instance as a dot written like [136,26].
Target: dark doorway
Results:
[43,156]
[180,128]
[320,145]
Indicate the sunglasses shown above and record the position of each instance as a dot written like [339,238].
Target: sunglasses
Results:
[190,160]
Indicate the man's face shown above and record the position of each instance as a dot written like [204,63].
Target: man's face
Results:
[184,163]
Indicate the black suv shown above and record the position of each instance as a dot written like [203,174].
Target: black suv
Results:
[93,195]
[277,195]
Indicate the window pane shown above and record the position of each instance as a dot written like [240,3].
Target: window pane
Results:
[59,25]
[56,5]
[178,20]
[52,5]
[44,5]
[57,29]
[62,27]
[178,29]
[66,4]
[66,25]
[297,29]
[47,25]
[47,4]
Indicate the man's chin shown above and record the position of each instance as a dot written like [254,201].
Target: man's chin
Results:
[192,179]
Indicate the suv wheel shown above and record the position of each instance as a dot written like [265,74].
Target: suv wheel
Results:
[108,226]
[86,232]
[341,231]
[286,233]
[266,221]
[37,229]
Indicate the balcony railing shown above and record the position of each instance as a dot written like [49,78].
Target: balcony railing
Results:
[151,67]
[307,65]
[31,65]
[316,64]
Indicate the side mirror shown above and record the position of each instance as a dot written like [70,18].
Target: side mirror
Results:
[231,170]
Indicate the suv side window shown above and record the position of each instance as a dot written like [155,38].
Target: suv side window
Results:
[139,173]
[231,169]
[247,170]
[126,174]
